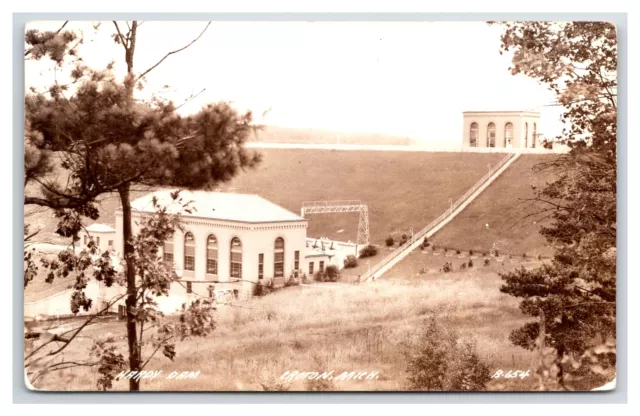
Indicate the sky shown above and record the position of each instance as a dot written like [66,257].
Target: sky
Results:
[404,78]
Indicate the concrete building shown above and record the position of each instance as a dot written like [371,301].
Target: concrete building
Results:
[103,235]
[501,129]
[227,245]
[231,242]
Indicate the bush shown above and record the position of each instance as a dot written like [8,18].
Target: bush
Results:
[292,281]
[350,262]
[463,266]
[446,249]
[403,239]
[470,264]
[484,254]
[318,276]
[332,273]
[486,262]
[439,360]
[319,384]
[272,384]
[458,252]
[368,251]
[390,241]
[447,267]
[264,288]
[524,255]
[471,252]
[433,248]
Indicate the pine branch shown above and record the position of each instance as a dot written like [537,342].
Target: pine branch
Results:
[57,32]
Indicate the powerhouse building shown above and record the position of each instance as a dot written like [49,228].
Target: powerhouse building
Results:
[229,242]
[501,129]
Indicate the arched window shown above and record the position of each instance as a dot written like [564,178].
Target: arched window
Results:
[167,250]
[526,134]
[508,134]
[278,257]
[491,135]
[535,135]
[189,252]
[212,255]
[236,258]
[473,136]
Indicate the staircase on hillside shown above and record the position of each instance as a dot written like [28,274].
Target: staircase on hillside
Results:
[401,252]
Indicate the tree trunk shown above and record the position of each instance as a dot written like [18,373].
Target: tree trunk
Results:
[135,361]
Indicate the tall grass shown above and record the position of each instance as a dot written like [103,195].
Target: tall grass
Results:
[355,328]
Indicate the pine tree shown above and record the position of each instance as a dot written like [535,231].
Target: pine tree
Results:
[575,292]
[108,140]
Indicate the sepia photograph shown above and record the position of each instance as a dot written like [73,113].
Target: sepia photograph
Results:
[320,206]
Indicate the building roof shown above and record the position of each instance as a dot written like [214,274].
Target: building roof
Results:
[224,206]
[317,252]
[501,111]
[317,247]
[100,228]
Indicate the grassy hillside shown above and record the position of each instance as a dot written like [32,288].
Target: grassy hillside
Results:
[324,328]
[279,134]
[330,327]
[402,189]
[497,216]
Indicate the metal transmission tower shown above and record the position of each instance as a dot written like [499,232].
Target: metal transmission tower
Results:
[329,207]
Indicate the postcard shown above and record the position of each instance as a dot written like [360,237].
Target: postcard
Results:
[315,206]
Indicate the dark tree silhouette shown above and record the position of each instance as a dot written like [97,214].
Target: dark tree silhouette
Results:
[107,141]
[575,292]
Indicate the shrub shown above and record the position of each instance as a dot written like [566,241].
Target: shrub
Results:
[447,267]
[446,249]
[463,266]
[319,384]
[524,255]
[350,261]
[264,288]
[484,254]
[368,251]
[458,252]
[433,248]
[332,273]
[471,252]
[486,262]
[318,276]
[292,281]
[390,241]
[470,264]
[539,257]
[272,384]
[403,239]
[497,254]
[439,360]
